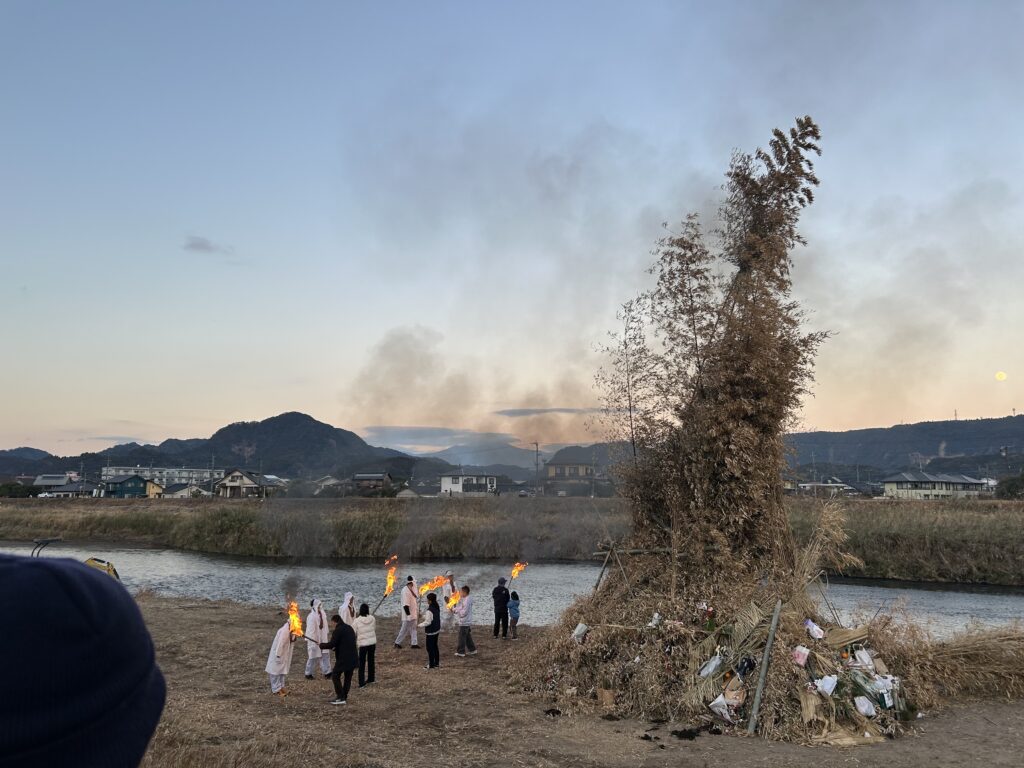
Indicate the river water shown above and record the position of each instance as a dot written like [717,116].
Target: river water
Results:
[545,589]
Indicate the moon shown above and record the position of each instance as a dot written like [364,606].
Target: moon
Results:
[1001,376]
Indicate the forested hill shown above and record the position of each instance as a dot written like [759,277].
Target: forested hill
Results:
[908,445]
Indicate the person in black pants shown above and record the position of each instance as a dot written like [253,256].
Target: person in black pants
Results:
[346,657]
[501,598]
[432,628]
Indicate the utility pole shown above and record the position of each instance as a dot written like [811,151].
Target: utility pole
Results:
[536,466]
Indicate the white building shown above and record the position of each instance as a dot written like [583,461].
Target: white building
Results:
[919,485]
[186,491]
[204,476]
[459,484]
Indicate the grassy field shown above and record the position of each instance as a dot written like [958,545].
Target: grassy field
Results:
[467,714]
[970,542]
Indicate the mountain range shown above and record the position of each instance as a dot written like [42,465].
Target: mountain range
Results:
[296,445]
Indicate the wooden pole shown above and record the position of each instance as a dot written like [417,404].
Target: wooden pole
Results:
[605,565]
[378,604]
[765,657]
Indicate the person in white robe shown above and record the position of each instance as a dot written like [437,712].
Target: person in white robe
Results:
[410,614]
[317,631]
[347,609]
[280,659]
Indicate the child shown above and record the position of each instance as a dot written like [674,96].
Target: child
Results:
[280,659]
[432,628]
[513,614]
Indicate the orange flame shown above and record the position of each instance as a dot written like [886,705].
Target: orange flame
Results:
[517,569]
[390,587]
[456,596]
[435,583]
[293,619]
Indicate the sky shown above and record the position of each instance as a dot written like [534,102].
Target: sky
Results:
[417,220]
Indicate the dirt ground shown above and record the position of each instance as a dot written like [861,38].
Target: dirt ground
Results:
[220,712]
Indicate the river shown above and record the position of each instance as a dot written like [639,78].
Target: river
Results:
[545,589]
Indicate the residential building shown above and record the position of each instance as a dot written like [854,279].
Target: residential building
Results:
[915,484]
[371,481]
[459,484]
[48,482]
[204,476]
[242,484]
[582,470]
[327,481]
[186,491]
[77,490]
[127,487]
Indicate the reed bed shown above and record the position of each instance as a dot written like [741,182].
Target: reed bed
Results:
[965,542]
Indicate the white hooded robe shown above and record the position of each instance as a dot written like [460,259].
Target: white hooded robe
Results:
[280,659]
[318,630]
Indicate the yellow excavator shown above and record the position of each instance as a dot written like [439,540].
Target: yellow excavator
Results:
[93,562]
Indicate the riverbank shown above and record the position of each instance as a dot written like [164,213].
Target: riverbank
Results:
[220,713]
[966,542]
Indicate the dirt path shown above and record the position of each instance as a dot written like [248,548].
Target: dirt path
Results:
[220,712]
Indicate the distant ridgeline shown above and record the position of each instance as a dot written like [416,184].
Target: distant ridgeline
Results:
[297,445]
[988,446]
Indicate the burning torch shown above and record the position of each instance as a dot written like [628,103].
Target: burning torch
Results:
[392,565]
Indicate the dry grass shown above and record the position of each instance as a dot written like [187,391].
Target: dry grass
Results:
[654,668]
[969,542]
[220,713]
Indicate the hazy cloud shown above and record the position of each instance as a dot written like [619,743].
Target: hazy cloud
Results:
[431,437]
[517,413]
[198,244]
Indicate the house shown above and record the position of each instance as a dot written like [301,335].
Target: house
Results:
[185,491]
[327,481]
[154,490]
[371,481]
[49,482]
[78,490]
[826,488]
[573,464]
[126,487]
[916,484]
[242,484]
[459,484]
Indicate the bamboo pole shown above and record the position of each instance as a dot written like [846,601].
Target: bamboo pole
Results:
[763,675]
[601,574]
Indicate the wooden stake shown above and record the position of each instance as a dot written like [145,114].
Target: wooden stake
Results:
[763,676]
[603,566]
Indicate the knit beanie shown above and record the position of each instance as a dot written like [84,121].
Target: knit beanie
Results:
[81,685]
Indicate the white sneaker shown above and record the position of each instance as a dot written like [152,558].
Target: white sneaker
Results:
[339,701]
[460,654]
[472,653]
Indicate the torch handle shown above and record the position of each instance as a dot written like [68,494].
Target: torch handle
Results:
[379,603]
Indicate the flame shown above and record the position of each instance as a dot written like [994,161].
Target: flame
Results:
[456,596]
[294,620]
[391,574]
[517,569]
[435,583]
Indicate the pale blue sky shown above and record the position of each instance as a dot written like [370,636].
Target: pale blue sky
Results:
[420,214]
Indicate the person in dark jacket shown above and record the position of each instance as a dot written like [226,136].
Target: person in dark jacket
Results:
[501,598]
[432,629]
[346,657]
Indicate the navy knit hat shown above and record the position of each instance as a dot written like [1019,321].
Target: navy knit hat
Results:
[81,685]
